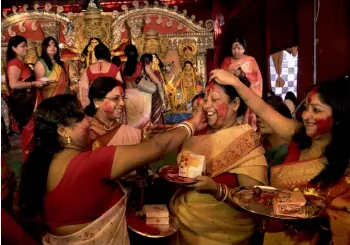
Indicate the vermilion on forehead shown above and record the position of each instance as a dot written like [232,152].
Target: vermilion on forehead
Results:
[237,45]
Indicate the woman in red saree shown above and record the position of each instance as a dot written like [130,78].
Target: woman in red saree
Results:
[77,191]
[50,69]
[318,155]
[101,68]
[251,71]
[21,81]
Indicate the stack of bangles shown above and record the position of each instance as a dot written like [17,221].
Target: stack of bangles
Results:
[189,126]
[222,194]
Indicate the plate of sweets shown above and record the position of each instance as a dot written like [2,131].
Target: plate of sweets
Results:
[154,221]
[277,203]
[190,167]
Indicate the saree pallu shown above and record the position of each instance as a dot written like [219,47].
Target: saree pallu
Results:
[109,229]
[297,175]
[60,86]
[252,72]
[204,220]
[157,116]
[121,135]
[138,108]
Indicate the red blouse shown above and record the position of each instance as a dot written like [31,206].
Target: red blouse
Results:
[137,73]
[26,72]
[112,72]
[83,194]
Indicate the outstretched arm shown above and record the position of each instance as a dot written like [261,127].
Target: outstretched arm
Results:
[283,126]
[129,158]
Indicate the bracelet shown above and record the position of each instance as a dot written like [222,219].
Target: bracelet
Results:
[189,130]
[222,194]
[189,124]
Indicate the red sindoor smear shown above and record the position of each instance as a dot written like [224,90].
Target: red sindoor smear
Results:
[324,125]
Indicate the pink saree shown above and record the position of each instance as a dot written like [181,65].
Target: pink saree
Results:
[252,72]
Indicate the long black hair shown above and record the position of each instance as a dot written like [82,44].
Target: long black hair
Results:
[291,96]
[98,90]
[58,110]
[86,49]
[130,65]
[161,65]
[146,59]
[45,56]
[336,94]
[13,42]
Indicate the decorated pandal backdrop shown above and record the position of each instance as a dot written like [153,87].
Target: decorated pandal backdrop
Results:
[179,41]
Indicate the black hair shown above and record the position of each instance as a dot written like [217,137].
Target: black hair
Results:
[116,60]
[187,62]
[146,59]
[98,90]
[13,42]
[45,56]
[280,107]
[232,94]
[58,110]
[86,49]
[336,94]
[102,52]
[291,96]
[200,95]
[130,65]
[274,98]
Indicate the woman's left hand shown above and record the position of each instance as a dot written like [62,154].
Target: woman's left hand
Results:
[205,184]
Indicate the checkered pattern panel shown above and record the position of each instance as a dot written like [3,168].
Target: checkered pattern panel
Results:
[289,75]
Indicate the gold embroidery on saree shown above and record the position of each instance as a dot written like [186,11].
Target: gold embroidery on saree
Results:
[236,150]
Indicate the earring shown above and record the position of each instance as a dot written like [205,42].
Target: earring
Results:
[68,140]
[234,111]
[97,106]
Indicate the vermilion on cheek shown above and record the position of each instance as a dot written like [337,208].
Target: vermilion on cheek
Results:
[323,125]
[107,107]
[199,102]
[222,110]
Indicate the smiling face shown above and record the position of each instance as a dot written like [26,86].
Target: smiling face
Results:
[21,49]
[112,106]
[219,110]
[51,48]
[237,50]
[317,116]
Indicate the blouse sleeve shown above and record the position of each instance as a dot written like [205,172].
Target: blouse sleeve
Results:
[15,62]
[95,164]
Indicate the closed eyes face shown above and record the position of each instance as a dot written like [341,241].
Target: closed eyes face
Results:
[317,116]
[219,110]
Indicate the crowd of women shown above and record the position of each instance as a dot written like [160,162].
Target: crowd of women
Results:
[80,147]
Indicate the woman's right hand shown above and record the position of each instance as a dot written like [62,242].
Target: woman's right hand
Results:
[199,119]
[39,84]
[223,77]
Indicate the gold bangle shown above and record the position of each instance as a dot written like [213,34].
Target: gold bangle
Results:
[191,126]
[218,194]
[226,192]
[186,127]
